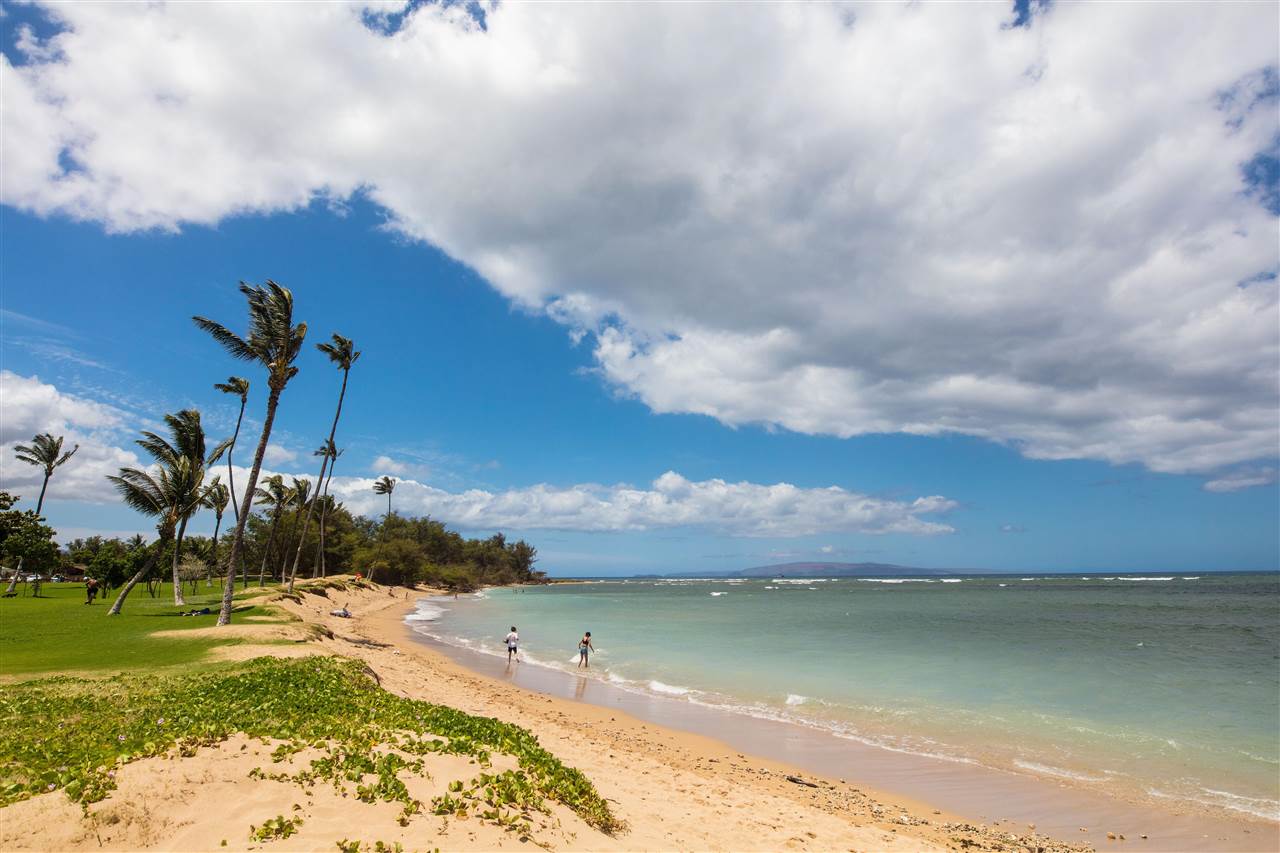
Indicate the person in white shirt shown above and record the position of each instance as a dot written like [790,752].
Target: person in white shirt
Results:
[513,643]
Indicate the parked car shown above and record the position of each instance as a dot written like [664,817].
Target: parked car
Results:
[58,579]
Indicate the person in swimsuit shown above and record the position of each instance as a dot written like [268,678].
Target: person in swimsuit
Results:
[513,644]
[584,646]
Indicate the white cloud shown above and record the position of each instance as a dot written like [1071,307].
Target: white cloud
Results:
[671,501]
[834,218]
[31,407]
[277,455]
[1245,478]
[400,468]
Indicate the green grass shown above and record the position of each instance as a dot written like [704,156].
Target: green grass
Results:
[57,632]
[71,734]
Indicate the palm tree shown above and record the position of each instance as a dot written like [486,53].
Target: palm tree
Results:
[172,493]
[341,352]
[45,451]
[189,444]
[276,496]
[274,342]
[326,503]
[240,387]
[216,498]
[299,499]
[385,486]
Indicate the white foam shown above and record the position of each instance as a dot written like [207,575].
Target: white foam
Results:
[1056,771]
[1144,579]
[719,593]
[426,612]
[667,689]
[895,580]
[1192,578]
[953,580]
[1256,806]
[1004,584]
[796,699]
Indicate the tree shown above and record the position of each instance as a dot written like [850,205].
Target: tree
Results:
[299,499]
[216,498]
[45,451]
[240,387]
[25,537]
[188,443]
[274,342]
[385,486]
[341,352]
[332,451]
[172,492]
[276,496]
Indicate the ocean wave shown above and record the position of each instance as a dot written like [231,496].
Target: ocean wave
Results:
[1059,772]
[1144,579]
[1192,578]
[667,689]
[719,593]
[796,699]
[426,612]
[895,580]
[953,580]
[1256,806]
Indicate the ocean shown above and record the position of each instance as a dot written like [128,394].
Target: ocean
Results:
[1155,687]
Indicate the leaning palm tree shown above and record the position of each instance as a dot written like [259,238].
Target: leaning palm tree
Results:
[274,342]
[299,500]
[172,491]
[385,486]
[216,498]
[326,504]
[45,452]
[240,387]
[342,352]
[276,496]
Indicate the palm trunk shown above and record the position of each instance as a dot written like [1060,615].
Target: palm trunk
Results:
[266,552]
[231,477]
[142,573]
[178,599]
[293,531]
[213,561]
[324,514]
[17,573]
[333,430]
[43,486]
[237,544]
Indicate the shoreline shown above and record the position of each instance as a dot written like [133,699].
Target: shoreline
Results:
[1056,808]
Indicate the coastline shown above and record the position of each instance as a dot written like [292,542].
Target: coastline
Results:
[1056,808]
[706,780]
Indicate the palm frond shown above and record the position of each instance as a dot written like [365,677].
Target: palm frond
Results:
[235,345]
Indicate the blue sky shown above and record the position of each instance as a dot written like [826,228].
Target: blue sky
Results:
[530,339]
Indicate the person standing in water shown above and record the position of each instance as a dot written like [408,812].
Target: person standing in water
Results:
[513,645]
[584,646]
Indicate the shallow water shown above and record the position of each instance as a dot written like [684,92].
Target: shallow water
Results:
[1161,686]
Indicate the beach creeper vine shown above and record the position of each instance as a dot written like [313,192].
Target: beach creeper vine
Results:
[323,703]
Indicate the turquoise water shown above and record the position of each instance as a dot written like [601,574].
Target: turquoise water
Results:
[1152,687]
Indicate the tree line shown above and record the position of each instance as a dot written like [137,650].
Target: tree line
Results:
[184,478]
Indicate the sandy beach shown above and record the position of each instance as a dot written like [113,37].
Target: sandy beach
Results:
[674,790]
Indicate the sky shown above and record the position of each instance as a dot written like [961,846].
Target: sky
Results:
[673,288]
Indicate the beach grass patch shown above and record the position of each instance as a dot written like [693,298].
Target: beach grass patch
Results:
[72,733]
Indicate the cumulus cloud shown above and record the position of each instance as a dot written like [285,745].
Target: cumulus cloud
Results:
[32,406]
[671,501]
[277,455]
[835,218]
[1245,478]
[400,468]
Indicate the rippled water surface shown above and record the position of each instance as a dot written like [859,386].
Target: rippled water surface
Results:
[1162,686]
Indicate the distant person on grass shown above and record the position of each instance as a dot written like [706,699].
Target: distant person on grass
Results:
[90,590]
[513,643]
[584,646]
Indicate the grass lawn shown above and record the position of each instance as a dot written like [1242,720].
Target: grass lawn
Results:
[57,632]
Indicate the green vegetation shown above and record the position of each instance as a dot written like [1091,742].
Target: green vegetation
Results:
[70,734]
[57,632]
